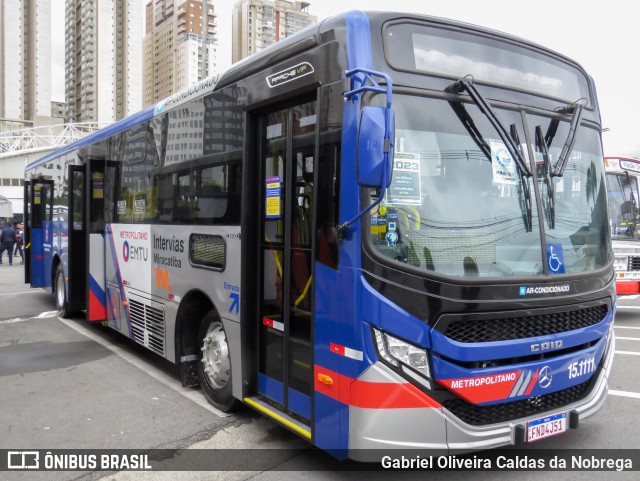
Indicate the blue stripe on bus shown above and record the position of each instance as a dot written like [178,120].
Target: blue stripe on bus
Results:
[37,258]
[97,291]
[483,351]
[334,416]
[271,388]
[336,316]
[299,403]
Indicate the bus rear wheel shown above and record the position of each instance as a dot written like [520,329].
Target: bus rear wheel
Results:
[214,366]
[61,293]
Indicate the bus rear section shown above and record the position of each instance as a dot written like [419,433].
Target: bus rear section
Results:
[623,174]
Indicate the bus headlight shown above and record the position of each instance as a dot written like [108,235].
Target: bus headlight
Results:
[620,263]
[399,353]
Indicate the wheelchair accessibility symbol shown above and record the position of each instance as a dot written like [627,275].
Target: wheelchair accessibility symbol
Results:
[555,259]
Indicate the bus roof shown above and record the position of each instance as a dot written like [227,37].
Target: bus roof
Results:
[283,49]
[106,132]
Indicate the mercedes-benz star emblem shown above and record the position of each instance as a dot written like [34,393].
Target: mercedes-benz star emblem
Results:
[545,377]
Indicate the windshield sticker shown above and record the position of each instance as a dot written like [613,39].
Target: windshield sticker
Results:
[555,258]
[405,188]
[504,168]
[273,195]
[139,206]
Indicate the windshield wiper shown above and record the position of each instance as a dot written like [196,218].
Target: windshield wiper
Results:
[541,146]
[511,141]
[471,127]
[466,83]
[575,109]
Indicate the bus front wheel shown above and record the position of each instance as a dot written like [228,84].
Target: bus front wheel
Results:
[214,366]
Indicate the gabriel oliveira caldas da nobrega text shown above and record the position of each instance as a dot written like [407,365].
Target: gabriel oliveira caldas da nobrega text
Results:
[511,462]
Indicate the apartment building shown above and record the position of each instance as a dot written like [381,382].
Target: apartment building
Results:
[260,23]
[25,64]
[180,46]
[103,66]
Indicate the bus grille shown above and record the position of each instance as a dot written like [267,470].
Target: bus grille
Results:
[496,413]
[147,325]
[634,263]
[487,330]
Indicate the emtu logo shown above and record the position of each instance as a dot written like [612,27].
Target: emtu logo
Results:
[125,251]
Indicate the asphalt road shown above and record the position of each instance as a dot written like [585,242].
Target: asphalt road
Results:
[68,384]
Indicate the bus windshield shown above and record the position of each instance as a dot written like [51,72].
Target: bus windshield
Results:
[457,212]
[623,210]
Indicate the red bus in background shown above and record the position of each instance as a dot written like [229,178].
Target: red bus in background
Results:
[623,175]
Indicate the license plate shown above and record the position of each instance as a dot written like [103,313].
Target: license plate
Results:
[546,427]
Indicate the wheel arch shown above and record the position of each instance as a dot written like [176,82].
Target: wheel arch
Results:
[193,307]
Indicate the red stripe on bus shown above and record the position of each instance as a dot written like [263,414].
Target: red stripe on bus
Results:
[533,383]
[371,395]
[97,311]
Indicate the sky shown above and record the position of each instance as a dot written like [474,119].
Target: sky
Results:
[600,36]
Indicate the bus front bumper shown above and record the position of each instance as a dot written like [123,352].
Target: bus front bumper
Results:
[374,433]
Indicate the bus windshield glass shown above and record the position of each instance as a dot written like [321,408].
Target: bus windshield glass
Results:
[451,210]
[623,211]
[455,54]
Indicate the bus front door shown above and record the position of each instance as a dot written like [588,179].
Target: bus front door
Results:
[40,236]
[285,354]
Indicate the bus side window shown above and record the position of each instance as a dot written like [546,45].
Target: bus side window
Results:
[218,199]
[183,212]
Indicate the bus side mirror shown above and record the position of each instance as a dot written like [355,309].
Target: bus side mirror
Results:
[372,145]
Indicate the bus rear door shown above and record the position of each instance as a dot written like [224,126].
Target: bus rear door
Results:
[40,232]
[76,255]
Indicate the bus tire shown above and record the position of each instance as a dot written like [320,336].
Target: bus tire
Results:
[214,364]
[60,293]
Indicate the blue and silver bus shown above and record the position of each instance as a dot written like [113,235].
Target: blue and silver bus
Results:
[387,231]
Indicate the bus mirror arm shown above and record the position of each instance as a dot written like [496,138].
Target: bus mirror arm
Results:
[375,137]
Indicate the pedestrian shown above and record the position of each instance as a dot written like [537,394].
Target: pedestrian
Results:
[19,242]
[7,241]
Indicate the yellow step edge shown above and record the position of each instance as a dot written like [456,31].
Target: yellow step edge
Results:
[277,417]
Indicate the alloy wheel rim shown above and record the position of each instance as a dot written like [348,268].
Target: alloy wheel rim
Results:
[215,356]
[59,290]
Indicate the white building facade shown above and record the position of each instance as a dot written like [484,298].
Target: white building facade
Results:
[180,46]
[25,64]
[103,66]
[260,23]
